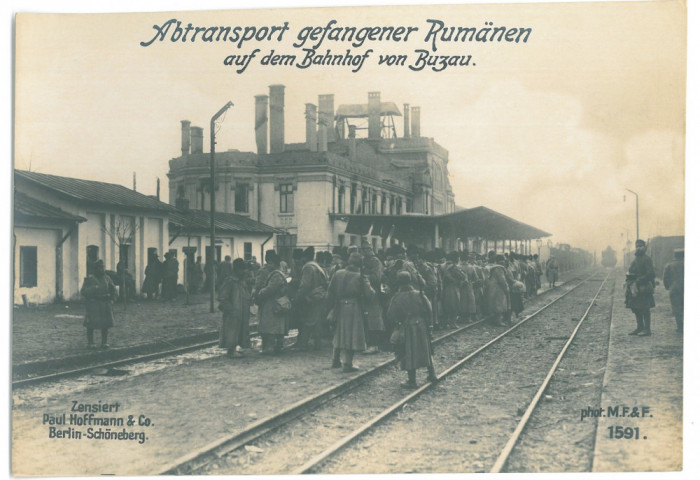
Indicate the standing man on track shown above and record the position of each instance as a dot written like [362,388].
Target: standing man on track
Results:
[234,302]
[411,312]
[639,294]
[99,293]
[309,301]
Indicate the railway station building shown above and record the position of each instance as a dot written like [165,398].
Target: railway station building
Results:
[355,176]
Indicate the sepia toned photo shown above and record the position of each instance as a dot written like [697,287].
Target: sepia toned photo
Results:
[349,240]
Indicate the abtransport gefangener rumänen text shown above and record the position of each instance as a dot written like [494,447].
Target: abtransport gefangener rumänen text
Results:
[175,30]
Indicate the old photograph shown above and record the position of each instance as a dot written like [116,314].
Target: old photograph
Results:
[377,239]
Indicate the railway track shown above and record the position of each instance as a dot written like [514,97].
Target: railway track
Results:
[129,361]
[208,458]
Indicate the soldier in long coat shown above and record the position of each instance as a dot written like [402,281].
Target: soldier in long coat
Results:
[498,292]
[153,274]
[673,282]
[309,301]
[552,269]
[273,323]
[538,272]
[640,289]
[234,302]
[430,274]
[373,269]
[171,267]
[452,279]
[347,293]
[467,300]
[411,311]
[99,293]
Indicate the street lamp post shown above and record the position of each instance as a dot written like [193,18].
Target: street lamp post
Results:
[636,201]
[212,202]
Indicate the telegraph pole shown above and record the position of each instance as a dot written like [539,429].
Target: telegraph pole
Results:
[212,201]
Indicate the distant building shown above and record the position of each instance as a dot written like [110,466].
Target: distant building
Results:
[306,189]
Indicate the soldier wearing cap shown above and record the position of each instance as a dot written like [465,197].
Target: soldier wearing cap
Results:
[99,293]
[640,289]
[234,302]
[347,293]
[309,301]
[673,282]
[273,322]
[411,313]
[373,269]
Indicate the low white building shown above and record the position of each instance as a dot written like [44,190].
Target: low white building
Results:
[62,224]
[40,233]
[119,223]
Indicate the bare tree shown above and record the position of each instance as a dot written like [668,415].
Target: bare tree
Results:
[122,231]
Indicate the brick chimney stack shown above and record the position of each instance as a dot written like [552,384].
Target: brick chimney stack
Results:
[326,112]
[311,135]
[415,122]
[185,137]
[406,120]
[276,118]
[374,111]
[352,143]
[261,123]
[197,134]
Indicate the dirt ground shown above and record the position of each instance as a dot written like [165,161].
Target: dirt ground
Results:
[56,330]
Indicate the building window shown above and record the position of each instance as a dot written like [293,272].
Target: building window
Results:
[409,205]
[399,206]
[341,240]
[391,206]
[241,198]
[247,251]
[27,267]
[341,199]
[374,204]
[383,204]
[365,200]
[286,198]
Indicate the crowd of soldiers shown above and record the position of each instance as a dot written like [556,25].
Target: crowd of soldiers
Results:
[366,302]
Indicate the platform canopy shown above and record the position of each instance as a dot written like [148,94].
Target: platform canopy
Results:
[478,222]
[483,222]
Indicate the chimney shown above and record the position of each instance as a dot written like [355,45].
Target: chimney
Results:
[322,135]
[185,137]
[406,120]
[157,188]
[352,143]
[197,139]
[415,122]
[311,137]
[326,111]
[374,111]
[276,118]
[261,123]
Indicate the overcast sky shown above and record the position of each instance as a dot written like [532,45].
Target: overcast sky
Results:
[551,132]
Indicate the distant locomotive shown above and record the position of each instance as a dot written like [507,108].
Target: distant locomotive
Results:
[608,257]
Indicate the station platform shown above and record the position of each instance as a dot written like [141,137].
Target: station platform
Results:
[645,373]
[54,335]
